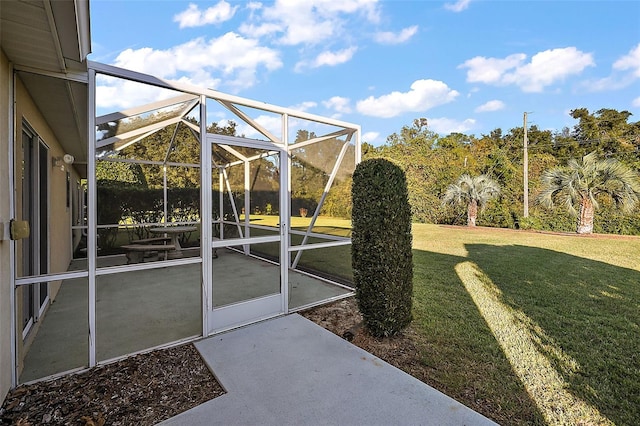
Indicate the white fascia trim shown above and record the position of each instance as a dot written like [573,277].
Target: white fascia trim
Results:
[79,77]
[83,19]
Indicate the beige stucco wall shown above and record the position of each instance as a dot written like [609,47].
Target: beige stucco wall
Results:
[5,191]
[59,213]
[60,249]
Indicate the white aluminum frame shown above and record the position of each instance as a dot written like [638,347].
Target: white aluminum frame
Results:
[277,304]
[230,316]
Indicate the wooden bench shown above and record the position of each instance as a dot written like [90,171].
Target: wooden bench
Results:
[136,252]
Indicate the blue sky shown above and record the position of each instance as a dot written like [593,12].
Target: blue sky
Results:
[468,66]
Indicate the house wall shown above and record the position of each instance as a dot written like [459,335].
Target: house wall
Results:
[60,245]
[59,212]
[5,215]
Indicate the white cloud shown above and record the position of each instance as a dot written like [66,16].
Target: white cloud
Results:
[491,70]
[308,22]
[370,137]
[636,102]
[194,17]
[603,84]
[624,72]
[458,6]
[493,105]
[230,61]
[548,67]
[631,61]
[339,104]
[387,37]
[424,95]
[544,69]
[231,56]
[272,123]
[304,106]
[113,93]
[334,58]
[258,31]
[328,58]
[445,126]
[254,5]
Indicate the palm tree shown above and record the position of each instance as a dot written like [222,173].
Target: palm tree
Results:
[583,181]
[474,192]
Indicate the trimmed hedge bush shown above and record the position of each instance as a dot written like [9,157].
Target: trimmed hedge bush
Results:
[381,246]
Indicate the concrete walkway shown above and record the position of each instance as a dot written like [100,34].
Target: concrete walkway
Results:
[290,371]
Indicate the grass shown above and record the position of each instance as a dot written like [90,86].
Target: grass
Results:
[334,262]
[531,328]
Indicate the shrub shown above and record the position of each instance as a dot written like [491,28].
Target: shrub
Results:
[381,246]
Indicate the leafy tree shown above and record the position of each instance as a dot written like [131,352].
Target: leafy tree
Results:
[607,128]
[381,246]
[416,135]
[112,173]
[474,192]
[412,150]
[431,161]
[582,182]
[311,167]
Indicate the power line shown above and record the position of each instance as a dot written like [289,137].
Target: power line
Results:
[580,143]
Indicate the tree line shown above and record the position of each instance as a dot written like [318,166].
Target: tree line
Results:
[433,162]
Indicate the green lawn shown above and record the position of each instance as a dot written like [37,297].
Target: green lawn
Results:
[334,262]
[533,328]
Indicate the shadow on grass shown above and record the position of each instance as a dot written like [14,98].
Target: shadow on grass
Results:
[583,315]
[464,359]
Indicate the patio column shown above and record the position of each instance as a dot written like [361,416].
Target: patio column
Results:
[206,216]
[92,218]
[285,212]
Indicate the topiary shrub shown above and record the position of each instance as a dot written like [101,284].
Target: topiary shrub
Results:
[381,246]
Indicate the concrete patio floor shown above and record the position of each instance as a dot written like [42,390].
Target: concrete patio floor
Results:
[290,371]
[138,310]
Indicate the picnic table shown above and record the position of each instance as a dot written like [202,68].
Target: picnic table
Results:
[174,232]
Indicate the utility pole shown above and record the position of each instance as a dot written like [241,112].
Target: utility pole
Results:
[526,169]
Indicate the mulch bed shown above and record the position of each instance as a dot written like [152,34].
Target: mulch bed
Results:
[344,319]
[143,390]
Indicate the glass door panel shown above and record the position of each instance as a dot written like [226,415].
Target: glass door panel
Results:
[33,258]
[239,278]
[246,271]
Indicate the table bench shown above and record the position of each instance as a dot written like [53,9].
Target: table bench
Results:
[136,252]
[152,240]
